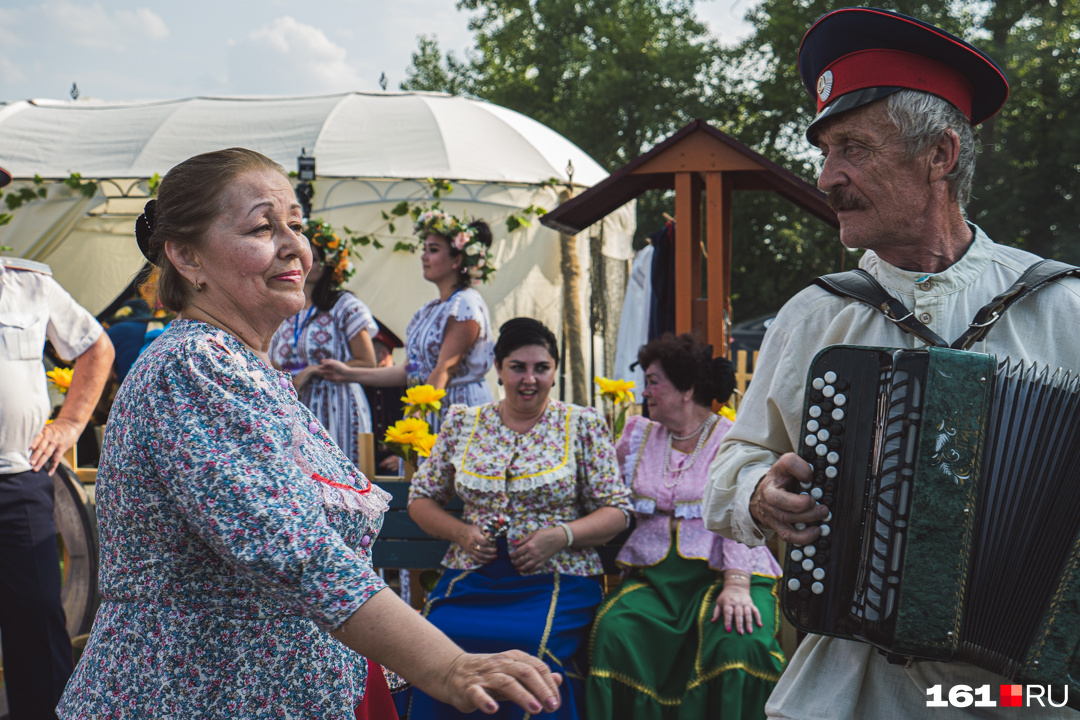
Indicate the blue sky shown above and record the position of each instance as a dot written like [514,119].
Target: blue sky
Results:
[119,50]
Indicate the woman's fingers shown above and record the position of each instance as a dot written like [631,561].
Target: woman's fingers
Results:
[514,676]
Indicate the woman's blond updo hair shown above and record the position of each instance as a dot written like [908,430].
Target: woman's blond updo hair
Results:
[189,199]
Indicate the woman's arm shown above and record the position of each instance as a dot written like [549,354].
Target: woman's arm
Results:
[337,371]
[391,633]
[362,350]
[459,336]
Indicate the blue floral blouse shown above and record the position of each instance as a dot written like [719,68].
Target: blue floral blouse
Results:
[234,535]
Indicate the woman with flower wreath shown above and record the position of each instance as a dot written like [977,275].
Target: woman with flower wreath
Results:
[334,325]
[691,632]
[449,342]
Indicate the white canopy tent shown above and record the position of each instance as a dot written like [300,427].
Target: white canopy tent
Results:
[372,150]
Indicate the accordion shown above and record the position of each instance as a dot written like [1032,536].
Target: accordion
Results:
[953,484]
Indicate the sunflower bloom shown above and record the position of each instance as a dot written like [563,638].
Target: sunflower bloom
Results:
[61,378]
[615,390]
[422,399]
[423,444]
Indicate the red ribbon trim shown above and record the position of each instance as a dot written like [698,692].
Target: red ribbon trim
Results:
[340,486]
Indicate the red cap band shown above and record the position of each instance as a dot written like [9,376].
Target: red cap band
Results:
[893,68]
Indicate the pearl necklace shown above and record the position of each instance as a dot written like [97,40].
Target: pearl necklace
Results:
[703,433]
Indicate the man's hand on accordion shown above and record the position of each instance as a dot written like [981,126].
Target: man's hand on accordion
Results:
[778,504]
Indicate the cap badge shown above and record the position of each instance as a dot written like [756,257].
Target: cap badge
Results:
[824,85]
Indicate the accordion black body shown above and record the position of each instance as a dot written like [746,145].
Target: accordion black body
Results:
[953,482]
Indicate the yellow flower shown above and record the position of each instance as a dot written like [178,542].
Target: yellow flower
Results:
[728,413]
[422,399]
[616,390]
[405,431]
[61,378]
[423,444]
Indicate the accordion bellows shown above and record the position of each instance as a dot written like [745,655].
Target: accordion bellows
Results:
[953,482]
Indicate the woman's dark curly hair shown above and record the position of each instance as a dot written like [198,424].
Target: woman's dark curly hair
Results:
[689,363]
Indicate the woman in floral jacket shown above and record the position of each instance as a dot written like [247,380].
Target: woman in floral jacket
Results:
[541,490]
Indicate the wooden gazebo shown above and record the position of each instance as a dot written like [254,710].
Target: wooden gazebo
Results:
[697,157]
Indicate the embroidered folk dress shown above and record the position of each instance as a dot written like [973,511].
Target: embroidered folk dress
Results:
[234,536]
[559,471]
[654,652]
[424,339]
[312,336]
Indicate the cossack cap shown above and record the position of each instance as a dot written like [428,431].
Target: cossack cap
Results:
[854,56]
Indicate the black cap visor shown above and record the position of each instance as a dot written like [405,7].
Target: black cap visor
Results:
[844,103]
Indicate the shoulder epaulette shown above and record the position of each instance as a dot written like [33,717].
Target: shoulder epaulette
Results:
[14,263]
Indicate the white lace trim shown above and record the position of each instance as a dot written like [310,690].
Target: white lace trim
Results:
[688,509]
[474,482]
[644,505]
[371,505]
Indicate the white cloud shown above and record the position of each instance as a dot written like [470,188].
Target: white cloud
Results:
[287,57]
[92,26]
[11,71]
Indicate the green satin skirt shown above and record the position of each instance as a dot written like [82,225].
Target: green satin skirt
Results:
[654,654]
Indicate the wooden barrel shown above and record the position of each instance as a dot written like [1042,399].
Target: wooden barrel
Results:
[76,524]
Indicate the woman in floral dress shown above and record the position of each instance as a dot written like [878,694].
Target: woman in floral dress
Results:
[541,490]
[449,341]
[333,324]
[236,538]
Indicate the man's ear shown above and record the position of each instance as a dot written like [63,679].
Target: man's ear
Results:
[944,155]
[185,259]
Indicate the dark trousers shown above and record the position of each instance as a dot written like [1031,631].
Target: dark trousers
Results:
[36,647]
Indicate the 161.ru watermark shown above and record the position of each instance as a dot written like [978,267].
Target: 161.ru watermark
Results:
[962,696]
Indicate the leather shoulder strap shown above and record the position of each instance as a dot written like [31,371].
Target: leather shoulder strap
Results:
[1034,278]
[862,286]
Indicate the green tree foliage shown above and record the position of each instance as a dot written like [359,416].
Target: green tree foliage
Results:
[613,76]
[617,76]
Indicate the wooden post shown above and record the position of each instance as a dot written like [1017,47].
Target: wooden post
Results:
[571,315]
[366,458]
[718,219]
[684,221]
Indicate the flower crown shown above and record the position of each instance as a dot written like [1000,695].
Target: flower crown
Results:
[335,250]
[476,256]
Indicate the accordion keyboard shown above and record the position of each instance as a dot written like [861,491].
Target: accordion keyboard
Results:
[862,446]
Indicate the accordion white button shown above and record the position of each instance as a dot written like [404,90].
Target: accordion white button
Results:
[833,458]
[793,584]
[816,493]
[817,588]
[837,414]
[828,391]
[828,518]
[804,486]
[812,426]
[823,435]
[807,564]
[818,383]
[825,530]
[800,526]
[796,555]
[815,411]
[810,551]
[840,399]
[831,472]
[822,449]
[811,440]
[830,377]
[819,573]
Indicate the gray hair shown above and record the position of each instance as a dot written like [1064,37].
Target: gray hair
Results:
[922,119]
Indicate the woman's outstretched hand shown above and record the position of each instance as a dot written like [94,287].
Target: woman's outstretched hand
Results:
[476,682]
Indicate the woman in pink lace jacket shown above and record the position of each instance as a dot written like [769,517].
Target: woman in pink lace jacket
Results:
[691,632]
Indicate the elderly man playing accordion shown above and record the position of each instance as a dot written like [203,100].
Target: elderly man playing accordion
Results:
[896,101]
